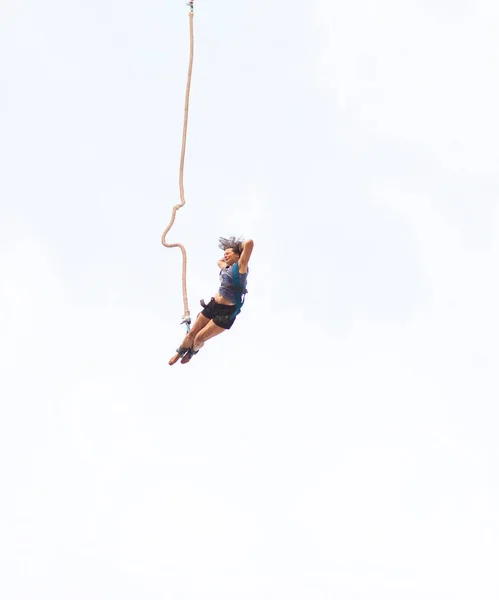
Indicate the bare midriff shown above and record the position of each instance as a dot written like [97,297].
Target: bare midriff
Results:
[221,300]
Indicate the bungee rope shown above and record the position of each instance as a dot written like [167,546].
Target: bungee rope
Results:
[186,318]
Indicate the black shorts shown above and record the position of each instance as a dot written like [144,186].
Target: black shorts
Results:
[221,314]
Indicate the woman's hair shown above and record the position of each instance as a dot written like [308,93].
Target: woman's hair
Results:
[235,243]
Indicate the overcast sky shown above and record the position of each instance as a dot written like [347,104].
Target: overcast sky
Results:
[340,442]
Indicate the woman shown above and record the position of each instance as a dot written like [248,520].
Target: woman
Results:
[221,312]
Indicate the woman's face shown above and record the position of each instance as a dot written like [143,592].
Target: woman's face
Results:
[230,257]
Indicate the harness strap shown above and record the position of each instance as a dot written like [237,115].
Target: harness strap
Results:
[237,285]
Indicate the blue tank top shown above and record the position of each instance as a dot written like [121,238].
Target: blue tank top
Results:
[228,288]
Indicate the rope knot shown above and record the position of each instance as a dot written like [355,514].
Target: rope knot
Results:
[186,320]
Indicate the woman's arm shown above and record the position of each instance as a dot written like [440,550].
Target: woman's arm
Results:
[245,256]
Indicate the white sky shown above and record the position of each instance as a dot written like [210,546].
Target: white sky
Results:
[340,442]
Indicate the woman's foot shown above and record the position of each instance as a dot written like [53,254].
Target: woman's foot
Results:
[181,351]
[188,355]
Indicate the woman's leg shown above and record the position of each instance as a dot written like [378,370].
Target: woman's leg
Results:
[209,331]
[200,322]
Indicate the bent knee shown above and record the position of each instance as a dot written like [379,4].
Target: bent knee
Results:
[199,338]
